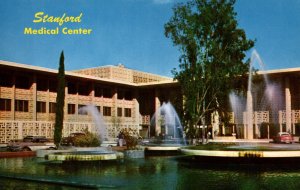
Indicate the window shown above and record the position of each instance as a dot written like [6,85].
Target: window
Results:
[72,88]
[107,93]
[127,112]
[119,112]
[53,85]
[5,104]
[22,82]
[52,107]
[84,89]
[6,79]
[98,91]
[106,111]
[128,95]
[82,111]
[98,108]
[21,105]
[71,108]
[42,84]
[120,95]
[41,107]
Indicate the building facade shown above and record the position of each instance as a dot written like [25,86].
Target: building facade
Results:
[126,98]
[272,105]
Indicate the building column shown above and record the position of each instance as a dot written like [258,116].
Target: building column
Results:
[288,106]
[136,109]
[48,102]
[77,102]
[268,131]
[257,132]
[223,129]
[215,123]
[293,122]
[280,120]
[66,117]
[13,98]
[249,115]
[115,102]
[157,114]
[34,98]
[92,93]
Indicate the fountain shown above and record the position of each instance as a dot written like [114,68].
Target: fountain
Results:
[100,126]
[169,134]
[266,103]
[249,152]
[90,153]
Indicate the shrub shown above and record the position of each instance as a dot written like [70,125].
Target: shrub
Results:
[131,138]
[87,140]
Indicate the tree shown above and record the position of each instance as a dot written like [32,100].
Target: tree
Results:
[212,57]
[60,101]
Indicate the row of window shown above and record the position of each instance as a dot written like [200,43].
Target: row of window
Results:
[22,106]
[127,112]
[41,107]
[106,110]
[24,82]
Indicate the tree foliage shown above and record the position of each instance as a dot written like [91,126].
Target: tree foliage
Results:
[60,101]
[212,56]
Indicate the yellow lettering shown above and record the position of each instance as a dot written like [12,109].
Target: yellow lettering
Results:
[64,31]
[76,31]
[42,17]
[61,20]
[49,19]
[27,31]
[78,19]
[38,17]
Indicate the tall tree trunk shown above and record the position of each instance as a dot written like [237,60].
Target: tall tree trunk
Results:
[60,101]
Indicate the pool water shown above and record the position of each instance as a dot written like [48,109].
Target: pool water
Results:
[149,173]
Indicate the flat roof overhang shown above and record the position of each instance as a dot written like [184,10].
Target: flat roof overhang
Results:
[53,72]
[169,83]
[281,72]
[165,83]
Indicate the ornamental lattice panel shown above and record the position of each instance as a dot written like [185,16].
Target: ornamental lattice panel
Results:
[261,117]
[296,116]
[11,130]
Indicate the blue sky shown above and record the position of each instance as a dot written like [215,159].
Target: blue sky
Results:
[131,32]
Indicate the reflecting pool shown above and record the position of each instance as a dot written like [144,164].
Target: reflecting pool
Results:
[149,173]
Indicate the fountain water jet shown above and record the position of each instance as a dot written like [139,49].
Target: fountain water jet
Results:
[249,106]
[167,124]
[100,125]
[264,102]
[89,153]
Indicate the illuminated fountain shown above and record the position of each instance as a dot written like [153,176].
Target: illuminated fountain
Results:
[168,129]
[100,126]
[257,108]
[90,153]
[262,100]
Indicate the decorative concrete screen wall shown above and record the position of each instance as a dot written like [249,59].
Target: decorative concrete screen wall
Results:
[12,130]
[258,117]
[122,73]
[295,117]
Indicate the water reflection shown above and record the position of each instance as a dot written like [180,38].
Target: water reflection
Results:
[149,173]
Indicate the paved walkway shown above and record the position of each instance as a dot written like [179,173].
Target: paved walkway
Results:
[242,140]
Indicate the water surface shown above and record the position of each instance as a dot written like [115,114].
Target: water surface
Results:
[150,173]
